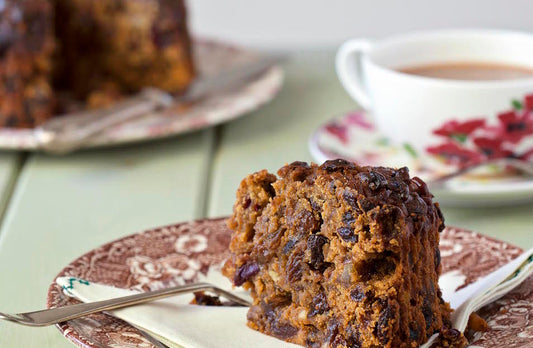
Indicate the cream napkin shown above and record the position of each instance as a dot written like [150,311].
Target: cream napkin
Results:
[178,324]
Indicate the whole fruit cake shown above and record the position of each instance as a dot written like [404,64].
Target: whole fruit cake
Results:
[340,255]
[97,50]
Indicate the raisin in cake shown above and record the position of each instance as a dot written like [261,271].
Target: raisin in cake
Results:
[97,50]
[339,255]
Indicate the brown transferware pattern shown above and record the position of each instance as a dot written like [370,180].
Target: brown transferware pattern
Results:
[180,253]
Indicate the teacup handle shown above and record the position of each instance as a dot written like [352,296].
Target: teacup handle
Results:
[349,70]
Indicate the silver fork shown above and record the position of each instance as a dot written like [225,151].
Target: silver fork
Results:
[60,314]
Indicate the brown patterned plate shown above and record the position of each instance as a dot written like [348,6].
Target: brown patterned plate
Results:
[180,253]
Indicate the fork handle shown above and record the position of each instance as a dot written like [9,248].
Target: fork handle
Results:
[60,314]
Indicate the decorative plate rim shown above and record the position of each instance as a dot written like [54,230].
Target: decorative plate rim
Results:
[119,239]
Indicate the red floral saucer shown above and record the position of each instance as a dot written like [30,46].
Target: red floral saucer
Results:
[354,136]
[194,251]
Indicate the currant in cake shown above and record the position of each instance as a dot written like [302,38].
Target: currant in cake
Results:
[340,255]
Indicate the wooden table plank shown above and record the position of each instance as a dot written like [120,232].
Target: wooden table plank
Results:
[65,206]
[278,134]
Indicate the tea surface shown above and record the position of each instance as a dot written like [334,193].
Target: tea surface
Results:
[470,71]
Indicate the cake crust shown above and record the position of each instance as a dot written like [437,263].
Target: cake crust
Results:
[339,255]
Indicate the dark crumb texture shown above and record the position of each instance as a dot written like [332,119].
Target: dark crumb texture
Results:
[203,299]
[450,338]
[339,255]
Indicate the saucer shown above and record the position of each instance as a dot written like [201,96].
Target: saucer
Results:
[353,136]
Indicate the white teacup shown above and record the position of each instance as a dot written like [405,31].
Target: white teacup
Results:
[409,108]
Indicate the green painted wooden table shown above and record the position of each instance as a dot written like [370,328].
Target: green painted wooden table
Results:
[53,209]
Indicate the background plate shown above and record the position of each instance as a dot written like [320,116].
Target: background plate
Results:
[210,57]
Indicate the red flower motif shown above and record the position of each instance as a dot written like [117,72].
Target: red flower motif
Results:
[515,126]
[459,130]
[456,154]
[492,147]
[528,102]
[527,156]
[358,118]
[338,131]
[475,140]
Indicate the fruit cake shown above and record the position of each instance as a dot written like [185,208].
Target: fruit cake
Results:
[340,255]
[26,48]
[96,50]
[128,44]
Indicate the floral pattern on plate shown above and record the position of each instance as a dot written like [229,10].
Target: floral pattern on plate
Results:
[466,143]
[185,252]
[354,136]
